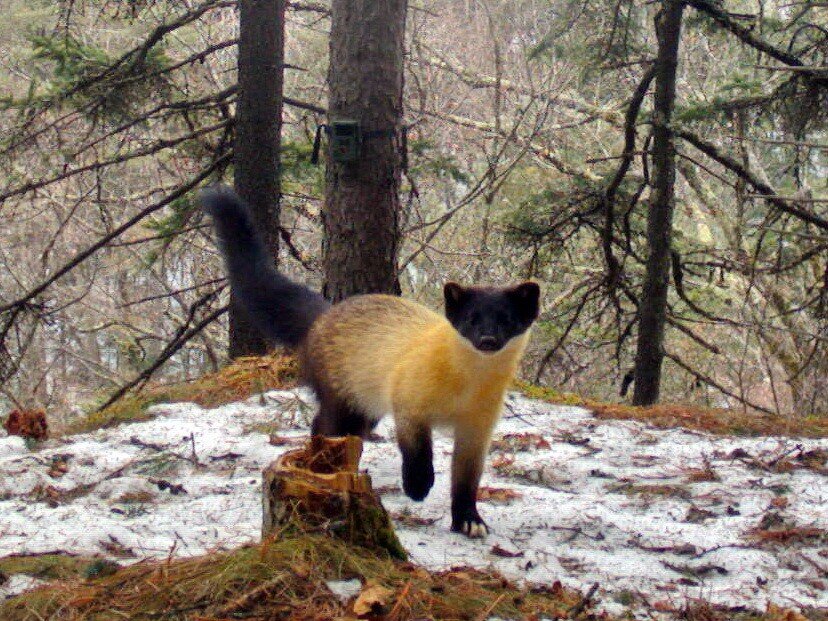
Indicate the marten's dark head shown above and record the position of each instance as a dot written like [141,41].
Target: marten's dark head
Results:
[489,317]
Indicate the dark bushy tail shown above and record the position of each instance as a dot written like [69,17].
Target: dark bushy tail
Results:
[281,309]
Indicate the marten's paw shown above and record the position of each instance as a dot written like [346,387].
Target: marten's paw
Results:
[469,523]
[418,478]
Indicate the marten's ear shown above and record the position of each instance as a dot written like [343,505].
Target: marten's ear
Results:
[455,296]
[526,299]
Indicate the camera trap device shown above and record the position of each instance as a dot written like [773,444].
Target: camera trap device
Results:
[346,140]
[347,137]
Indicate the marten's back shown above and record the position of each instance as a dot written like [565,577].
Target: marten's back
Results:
[354,348]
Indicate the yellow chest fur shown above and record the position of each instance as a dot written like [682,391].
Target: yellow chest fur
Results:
[446,381]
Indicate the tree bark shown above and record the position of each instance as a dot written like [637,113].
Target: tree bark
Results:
[258,129]
[653,305]
[360,216]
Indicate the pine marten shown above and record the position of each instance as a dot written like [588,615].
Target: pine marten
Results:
[375,354]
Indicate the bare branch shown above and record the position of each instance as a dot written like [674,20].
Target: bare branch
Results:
[748,36]
[102,242]
[765,190]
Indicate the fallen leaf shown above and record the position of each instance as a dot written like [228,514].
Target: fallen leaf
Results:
[277,440]
[504,553]
[788,535]
[503,461]
[382,490]
[777,613]
[409,519]
[59,467]
[779,502]
[497,494]
[48,494]
[695,515]
[372,600]
[813,459]
[520,442]
[701,475]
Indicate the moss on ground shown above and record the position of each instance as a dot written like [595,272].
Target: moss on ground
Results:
[239,380]
[734,422]
[56,566]
[248,376]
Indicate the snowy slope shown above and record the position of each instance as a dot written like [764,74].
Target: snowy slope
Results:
[653,515]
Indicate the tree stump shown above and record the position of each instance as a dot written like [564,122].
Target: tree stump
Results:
[319,488]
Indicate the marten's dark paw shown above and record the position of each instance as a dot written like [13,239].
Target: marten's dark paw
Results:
[469,523]
[418,478]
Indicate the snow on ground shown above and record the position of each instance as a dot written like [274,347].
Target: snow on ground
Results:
[665,514]
[17,584]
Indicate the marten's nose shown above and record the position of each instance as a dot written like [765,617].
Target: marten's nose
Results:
[488,343]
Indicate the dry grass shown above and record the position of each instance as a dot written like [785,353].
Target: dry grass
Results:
[710,420]
[650,490]
[285,579]
[54,566]
[699,610]
[239,380]
[703,474]
[789,535]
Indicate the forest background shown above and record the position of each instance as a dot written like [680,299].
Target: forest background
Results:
[531,135]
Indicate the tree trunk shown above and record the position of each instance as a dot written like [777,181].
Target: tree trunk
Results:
[360,217]
[258,128]
[653,306]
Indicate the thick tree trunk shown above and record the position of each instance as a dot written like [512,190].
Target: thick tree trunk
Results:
[361,212]
[653,306]
[258,137]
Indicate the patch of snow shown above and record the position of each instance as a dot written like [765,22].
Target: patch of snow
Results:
[18,584]
[345,589]
[12,445]
[600,501]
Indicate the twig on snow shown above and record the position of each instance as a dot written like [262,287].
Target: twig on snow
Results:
[581,606]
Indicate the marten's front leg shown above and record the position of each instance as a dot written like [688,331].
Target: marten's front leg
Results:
[417,467]
[337,419]
[470,448]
